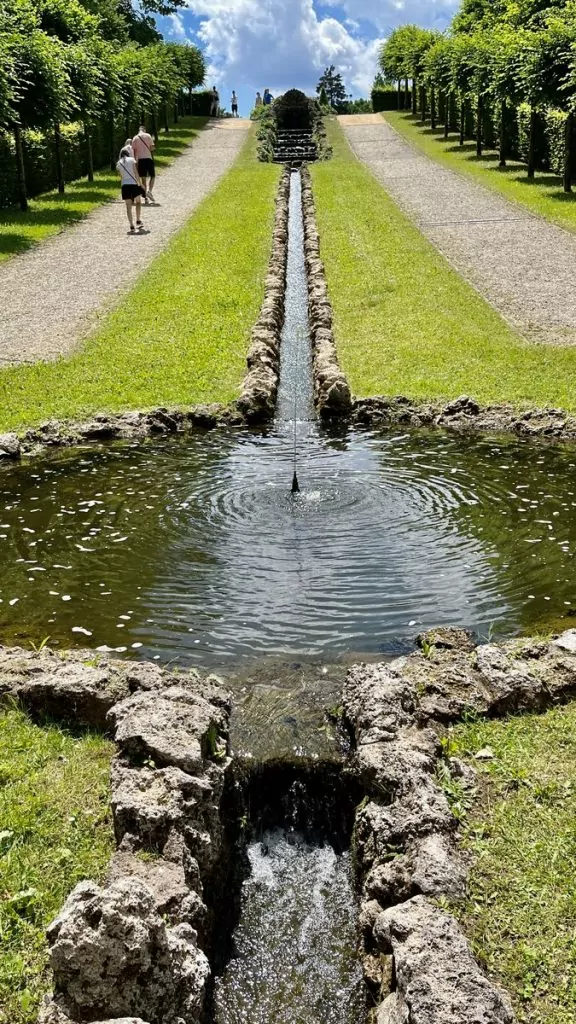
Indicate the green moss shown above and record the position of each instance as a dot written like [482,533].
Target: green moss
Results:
[544,195]
[55,830]
[199,299]
[521,911]
[405,322]
[50,212]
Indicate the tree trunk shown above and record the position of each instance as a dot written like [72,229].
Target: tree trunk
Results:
[20,169]
[176,111]
[414,97]
[432,108]
[399,94]
[568,153]
[111,140]
[89,153]
[532,144]
[58,153]
[423,103]
[479,124]
[462,121]
[503,134]
[154,128]
[190,100]
[406,95]
[165,115]
[447,104]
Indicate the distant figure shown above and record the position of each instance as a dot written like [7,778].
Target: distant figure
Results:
[215,105]
[268,97]
[258,100]
[234,104]
[143,149]
[132,190]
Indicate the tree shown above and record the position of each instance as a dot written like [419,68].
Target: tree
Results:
[331,82]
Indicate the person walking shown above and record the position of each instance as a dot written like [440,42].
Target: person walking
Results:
[268,97]
[258,100]
[132,188]
[143,150]
[128,145]
[215,104]
[234,104]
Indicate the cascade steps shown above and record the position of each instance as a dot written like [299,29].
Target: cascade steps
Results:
[295,145]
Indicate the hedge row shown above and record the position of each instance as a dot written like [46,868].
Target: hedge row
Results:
[40,153]
[388,98]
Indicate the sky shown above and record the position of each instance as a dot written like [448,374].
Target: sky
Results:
[281,44]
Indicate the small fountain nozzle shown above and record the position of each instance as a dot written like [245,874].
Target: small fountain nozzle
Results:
[295,484]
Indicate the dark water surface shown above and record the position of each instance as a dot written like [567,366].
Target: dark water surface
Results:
[193,549]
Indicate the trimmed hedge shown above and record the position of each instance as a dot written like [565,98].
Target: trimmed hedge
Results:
[386,98]
[40,156]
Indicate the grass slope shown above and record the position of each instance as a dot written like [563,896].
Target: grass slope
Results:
[521,911]
[543,196]
[55,830]
[50,212]
[180,335]
[405,322]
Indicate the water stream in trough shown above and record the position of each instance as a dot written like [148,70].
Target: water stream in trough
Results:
[193,550]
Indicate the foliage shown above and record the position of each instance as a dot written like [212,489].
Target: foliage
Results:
[59,61]
[332,85]
[56,830]
[50,212]
[386,98]
[507,52]
[521,908]
[202,294]
[543,197]
[388,341]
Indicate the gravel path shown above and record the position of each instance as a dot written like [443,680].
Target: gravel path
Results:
[524,266]
[50,297]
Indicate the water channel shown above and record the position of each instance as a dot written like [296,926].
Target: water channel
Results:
[193,550]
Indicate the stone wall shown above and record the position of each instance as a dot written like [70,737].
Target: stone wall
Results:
[331,389]
[465,415]
[258,399]
[418,964]
[138,947]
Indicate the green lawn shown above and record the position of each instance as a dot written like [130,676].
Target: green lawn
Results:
[405,322]
[55,829]
[50,212]
[521,911]
[198,301]
[543,196]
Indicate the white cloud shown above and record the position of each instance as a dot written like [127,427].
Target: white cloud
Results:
[279,44]
[387,14]
[177,29]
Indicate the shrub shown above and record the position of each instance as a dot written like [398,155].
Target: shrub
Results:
[386,98]
[541,150]
[201,103]
[554,127]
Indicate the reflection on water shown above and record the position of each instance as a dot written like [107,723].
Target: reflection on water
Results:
[193,548]
[295,956]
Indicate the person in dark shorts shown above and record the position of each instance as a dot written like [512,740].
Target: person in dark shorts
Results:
[234,104]
[132,190]
[143,149]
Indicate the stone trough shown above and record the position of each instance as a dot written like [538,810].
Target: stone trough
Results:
[144,946]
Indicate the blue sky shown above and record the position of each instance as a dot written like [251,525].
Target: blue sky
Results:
[251,44]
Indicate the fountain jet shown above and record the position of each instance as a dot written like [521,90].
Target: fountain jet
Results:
[295,484]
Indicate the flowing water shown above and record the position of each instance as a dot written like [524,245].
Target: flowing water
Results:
[295,954]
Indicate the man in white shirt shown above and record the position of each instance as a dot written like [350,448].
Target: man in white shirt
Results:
[143,149]
[234,104]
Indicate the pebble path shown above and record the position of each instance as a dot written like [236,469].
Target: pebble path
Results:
[523,265]
[51,296]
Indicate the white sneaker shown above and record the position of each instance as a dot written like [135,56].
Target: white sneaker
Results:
[151,197]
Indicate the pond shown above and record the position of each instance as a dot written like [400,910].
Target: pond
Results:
[192,549]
